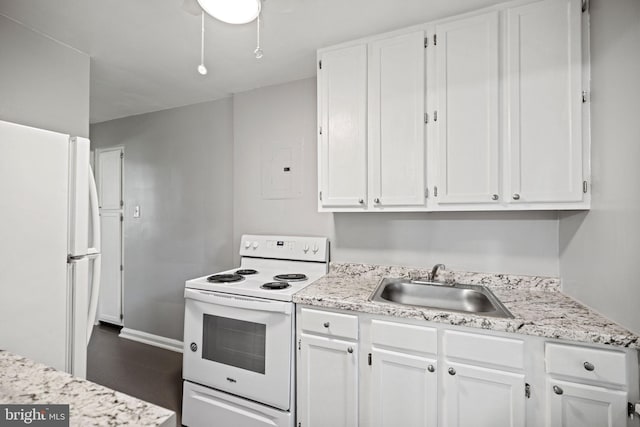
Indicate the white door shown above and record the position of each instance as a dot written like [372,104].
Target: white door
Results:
[466,116]
[404,390]
[578,405]
[481,397]
[342,117]
[396,121]
[327,382]
[110,300]
[544,83]
[109,163]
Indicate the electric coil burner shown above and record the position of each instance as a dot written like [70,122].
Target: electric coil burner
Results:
[291,277]
[275,285]
[246,271]
[225,278]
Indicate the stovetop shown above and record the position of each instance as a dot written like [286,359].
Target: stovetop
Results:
[307,261]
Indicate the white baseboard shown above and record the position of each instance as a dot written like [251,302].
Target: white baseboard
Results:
[155,340]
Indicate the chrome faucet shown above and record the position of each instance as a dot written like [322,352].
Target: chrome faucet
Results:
[434,271]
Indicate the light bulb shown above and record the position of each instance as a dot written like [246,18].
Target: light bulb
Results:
[202,69]
[258,52]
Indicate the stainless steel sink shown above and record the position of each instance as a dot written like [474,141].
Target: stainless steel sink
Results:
[475,299]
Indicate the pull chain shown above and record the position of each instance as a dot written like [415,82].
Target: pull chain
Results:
[201,68]
[258,52]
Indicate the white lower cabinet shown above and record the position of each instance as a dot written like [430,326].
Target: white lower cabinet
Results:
[479,397]
[421,374]
[578,405]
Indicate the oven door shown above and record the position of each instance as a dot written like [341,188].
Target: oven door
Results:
[240,345]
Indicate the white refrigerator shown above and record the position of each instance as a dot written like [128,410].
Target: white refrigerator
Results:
[49,246]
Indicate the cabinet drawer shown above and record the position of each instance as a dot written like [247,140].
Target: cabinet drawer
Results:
[328,323]
[586,363]
[484,349]
[405,337]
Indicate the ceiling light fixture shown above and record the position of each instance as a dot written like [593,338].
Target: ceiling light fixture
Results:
[232,11]
[201,68]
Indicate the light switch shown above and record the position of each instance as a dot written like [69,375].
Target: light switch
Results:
[136,212]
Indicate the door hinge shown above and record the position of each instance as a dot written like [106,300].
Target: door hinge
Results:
[121,155]
[299,344]
[121,218]
[527,390]
[426,117]
[121,316]
[426,42]
[320,64]
[435,39]
[633,409]
[369,359]
[320,195]
[585,5]
[121,203]
[300,424]
[426,193]
[121,267]
[435,116]
[585,96]
[435,191]
[320,130]
[584,186]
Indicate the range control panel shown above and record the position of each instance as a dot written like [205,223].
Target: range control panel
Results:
[298,248]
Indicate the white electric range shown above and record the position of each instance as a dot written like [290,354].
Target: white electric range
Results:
[239,359]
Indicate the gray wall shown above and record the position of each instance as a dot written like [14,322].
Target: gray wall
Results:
[178,168]
[599,249]
[512,242]
[43,83]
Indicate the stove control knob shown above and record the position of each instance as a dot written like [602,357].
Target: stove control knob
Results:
[305,249]
[255,245]
[315,248]
[247,244]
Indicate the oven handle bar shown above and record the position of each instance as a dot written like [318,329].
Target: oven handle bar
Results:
[238,301]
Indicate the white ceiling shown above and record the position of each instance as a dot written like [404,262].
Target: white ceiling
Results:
[145,52]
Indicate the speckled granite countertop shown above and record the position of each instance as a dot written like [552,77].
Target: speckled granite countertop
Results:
[23,381]
[538,306]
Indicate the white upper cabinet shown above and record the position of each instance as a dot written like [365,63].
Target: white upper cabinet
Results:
[489,111]
[396,123]
[544,87]
[342,117]
[466,116]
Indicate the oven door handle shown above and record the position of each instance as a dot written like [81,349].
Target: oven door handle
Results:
[238,301]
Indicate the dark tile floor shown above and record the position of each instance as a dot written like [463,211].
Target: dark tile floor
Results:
[143,371]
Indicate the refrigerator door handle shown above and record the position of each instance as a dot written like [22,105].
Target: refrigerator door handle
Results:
[94,253]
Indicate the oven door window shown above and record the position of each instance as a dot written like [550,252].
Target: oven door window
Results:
[234,342]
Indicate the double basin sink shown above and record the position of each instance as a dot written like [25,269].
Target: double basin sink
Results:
[474,299]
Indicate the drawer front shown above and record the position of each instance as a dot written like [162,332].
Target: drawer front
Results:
[330,324]
[485,349]
[405,337]
[585,363]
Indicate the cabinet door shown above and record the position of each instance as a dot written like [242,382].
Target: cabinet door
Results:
[342,111]
[396,121]
[544,84]
[327,382]
[578,405]
[481,397]
[467,72]
[404,390]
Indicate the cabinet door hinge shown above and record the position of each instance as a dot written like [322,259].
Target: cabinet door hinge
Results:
[585,96]
[121,203]
[299,344]
[320,195]
[584,186]
[121,155]
[121,267]
[300,424]
[585,5]
[435,191]
[435,39]
[369,359]
[121,218]
[435,116]
[320,130]
[121,316]
[426,117]
[320,64]
[426,42]
[527,390]
[426,193]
